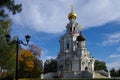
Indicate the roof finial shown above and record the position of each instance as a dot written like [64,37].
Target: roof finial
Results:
[80,28]
[72,8]
[72,15]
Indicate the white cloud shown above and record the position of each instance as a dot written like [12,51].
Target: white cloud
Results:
[45,55]
[114,61]
[115,56]
[118,49]
[115,64]
[49,57]
[111,39]
[51,16]
[44,51]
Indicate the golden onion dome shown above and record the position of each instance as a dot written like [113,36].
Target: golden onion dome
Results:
[72,15]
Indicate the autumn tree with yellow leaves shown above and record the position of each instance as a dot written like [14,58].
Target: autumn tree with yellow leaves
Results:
[29,65]
[26,63]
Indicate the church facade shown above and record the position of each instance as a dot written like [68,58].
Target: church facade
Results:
[74,60]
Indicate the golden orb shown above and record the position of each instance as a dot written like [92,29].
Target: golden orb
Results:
[72,15]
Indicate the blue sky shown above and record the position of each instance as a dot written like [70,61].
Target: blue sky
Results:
[45,21]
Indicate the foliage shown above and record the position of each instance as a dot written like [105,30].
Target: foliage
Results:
[118,72]
[5,27]
[50,66]
[26,63]
[37,70]
[10,6]
[35,50]
[29,64]
[7,52]
[100,65]
[115,73]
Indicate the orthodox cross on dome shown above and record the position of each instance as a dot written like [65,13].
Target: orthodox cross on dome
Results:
[72,15]
[71,8]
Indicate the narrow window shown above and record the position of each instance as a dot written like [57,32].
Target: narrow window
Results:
[86,68]
[70,29]
[74,28]
[68,46]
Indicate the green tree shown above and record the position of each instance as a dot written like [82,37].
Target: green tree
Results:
[5,56]
[118,73]
[7,52]
[100,65]
[10,6]
[37,70]
[113,72]
[50,65]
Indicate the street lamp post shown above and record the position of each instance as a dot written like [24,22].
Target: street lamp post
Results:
[17,42]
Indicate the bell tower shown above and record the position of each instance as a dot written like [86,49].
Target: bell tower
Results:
[67,41]
[72,26]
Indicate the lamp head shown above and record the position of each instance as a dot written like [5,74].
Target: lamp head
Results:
[27,37]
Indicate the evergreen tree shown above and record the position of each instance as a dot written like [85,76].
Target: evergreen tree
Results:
[10,6]
[50,65]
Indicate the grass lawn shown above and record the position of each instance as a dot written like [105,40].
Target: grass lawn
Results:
[71,79]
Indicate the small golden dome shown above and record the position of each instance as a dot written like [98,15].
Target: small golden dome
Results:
[72,15]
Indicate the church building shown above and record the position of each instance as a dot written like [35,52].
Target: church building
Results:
[74,60]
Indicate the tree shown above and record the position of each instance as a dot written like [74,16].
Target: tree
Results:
[118,72]
[5,27]
[37,70]
[113,72]
[29,65]
[10,6]
[26,63]
[100,65]
[50,65]
[7,52]
[35,50]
